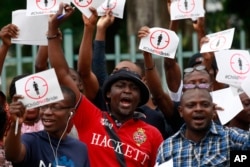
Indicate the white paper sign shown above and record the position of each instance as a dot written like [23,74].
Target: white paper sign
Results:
[32,29]
[161,42]
[39,89]
[236,90]
[66,1]
[232,104]
[218,41]
[168,163]
[184,9]
[43,7]
[245,85]
[233,65]
[116,6]
[31,42]
[83,5]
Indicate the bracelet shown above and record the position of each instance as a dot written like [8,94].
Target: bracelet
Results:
[150,68]
[53,36]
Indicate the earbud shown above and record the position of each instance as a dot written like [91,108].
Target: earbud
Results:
[71,114]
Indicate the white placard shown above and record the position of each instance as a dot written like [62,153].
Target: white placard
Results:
[184,9]
[83,5]
[231,104]
[43,7]
[39,89]
[218,41]
[168,163]
[233,65]
[161,42]
[32,29]
[245,85]
[116,6]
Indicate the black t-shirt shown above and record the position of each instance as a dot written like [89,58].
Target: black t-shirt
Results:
[156,119]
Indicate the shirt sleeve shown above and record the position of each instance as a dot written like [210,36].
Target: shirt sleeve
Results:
[99,61]
[240,139]
[176,96]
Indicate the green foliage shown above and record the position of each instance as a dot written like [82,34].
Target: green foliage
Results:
[239,12]
[240,8]
[6,8]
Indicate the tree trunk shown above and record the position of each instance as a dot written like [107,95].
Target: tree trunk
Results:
[151,13]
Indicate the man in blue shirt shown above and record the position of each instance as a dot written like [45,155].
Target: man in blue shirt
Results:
[200,141]
[51,146]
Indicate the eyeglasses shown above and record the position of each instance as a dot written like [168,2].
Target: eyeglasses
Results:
[192,86]
[197,68]
[54,108]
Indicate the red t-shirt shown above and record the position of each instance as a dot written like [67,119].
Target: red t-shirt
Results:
[138,143]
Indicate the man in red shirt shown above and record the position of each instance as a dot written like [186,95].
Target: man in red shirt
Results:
[116,137]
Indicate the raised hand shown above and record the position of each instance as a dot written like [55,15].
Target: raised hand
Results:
[7,32]
[57,19]
[90,22]
[105,21]
[143,32]
[17,109]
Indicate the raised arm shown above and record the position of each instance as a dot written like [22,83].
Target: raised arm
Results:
[99,59]
[84,67]
[208,57]
[211,66]
[153,80]
[15,151]
[172,68]
[7,32]
[55,51]
[199,27]
[41,62]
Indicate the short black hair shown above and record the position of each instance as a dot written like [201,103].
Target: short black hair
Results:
[69,92]
[193,61]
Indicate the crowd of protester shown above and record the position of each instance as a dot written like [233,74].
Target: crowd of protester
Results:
[125,118]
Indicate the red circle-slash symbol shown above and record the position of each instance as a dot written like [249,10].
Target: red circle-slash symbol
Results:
[45,4]
[36,87]
[239,64]
[83,3]
[218,43]
[186,6]
[159,39]
[110,5]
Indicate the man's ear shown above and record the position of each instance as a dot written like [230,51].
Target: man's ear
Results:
[180,110]
[108,94]
[81,87]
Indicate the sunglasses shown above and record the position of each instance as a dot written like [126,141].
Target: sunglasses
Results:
[196,68]
[192,86]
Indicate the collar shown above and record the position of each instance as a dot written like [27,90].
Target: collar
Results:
[213,130]
[136,116]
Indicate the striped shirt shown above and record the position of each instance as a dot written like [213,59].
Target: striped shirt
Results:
[212,150]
